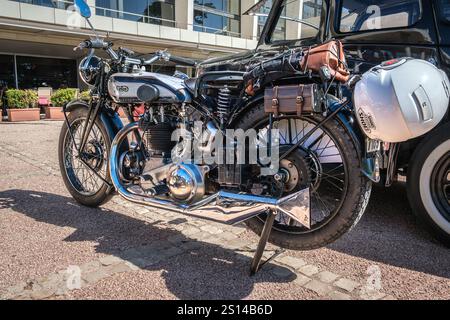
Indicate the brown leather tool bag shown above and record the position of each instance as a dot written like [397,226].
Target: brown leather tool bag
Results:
[292,99]
[329,54]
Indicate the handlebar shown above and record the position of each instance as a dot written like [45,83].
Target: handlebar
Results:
[126,53]
[182,61]
[93,44]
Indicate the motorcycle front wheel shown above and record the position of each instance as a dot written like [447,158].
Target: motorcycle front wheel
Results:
[329,163]
[82,174]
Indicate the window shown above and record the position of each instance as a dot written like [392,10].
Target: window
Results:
[362,15]
[33,72]
[63,4]
[445,9]
[160,12]
[7,77]
[299,19]
[218,16]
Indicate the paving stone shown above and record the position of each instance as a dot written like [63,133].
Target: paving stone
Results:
[188,231]
[235,244]
[132,266]
[318,287]
[109,260]
[309,270]
[293,262]
[301,279]
[215,240]
[281,272]
[327,277]
[346,284]
[176,239]
[142,210]
[17,289]
[174,251]
[191,245]
[337,295]
[94,276]
[211,229]
[370,294]
[227,236]
[87,267]
[130,254]
[42,294]
[197,223]
[117,268]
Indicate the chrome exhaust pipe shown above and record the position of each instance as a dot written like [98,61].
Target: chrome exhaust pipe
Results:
[224,207]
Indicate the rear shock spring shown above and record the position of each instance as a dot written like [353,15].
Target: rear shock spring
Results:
[223,104]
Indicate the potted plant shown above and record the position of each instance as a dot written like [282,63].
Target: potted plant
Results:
[85,96]
[22,105]
[59,99]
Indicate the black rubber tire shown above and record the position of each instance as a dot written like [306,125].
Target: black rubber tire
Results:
[417,164]
[104,194]
[353,207]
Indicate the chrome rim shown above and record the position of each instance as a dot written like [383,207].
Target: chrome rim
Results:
[80,176]
[329,173]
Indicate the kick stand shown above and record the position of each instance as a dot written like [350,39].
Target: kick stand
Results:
[256,263]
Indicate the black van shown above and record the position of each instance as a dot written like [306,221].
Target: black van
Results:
[372,31]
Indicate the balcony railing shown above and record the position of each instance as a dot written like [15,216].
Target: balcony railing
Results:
[107,12]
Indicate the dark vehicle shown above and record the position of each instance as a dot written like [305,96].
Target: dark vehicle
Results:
[373,31]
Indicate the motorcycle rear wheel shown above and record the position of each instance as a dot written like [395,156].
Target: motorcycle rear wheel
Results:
[355,196]
[85,186]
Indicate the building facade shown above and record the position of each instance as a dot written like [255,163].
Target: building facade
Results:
[37,36]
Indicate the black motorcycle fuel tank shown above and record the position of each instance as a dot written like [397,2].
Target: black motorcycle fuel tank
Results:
[142,86]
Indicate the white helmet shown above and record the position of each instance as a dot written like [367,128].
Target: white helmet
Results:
[401,99]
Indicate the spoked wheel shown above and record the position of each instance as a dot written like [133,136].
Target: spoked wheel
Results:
[429,183]
[83,173]
[328,163]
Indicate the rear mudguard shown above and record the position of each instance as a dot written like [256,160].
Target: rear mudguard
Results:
[348,121]
[108,117]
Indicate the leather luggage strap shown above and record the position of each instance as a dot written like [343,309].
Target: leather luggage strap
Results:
[300,100]
[275,102]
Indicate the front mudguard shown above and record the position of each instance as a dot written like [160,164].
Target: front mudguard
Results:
[110,119]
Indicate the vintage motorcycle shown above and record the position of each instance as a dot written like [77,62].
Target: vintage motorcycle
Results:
[318,187]
[319,192]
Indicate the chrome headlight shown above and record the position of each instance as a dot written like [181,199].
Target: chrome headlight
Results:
[89,68]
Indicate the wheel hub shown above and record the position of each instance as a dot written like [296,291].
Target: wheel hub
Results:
[93,155]
[294,173]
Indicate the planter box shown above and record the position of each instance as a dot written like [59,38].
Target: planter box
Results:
[54,113]
[16,115]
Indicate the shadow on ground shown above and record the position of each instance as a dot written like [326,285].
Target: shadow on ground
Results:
[389,233]
[208,272]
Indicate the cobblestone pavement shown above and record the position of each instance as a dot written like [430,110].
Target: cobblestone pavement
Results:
[52,248]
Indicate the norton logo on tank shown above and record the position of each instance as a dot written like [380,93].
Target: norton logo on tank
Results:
[123,88]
